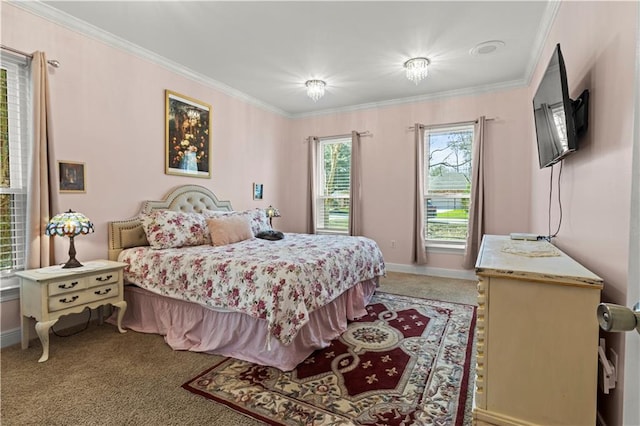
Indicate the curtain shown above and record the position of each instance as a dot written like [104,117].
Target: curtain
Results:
[476,205]
[355,206]
[313,172]
[39,248]
[420,251]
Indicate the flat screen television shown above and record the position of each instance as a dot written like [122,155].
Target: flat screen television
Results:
[560,121]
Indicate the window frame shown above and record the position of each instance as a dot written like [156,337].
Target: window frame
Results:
[435,244]
[320,186]
[19,133]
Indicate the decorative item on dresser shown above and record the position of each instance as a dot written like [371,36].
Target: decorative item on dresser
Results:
[537,335]
[69,224]
[46,294]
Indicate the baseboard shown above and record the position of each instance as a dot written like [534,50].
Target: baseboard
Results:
[14,336]
[10,337]
[462,274]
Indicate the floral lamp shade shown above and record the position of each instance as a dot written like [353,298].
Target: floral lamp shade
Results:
[69,224]
[271,213]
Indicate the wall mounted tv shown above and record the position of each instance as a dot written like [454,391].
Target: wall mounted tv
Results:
[560,121]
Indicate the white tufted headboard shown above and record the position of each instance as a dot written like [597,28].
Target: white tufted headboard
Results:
[187,198]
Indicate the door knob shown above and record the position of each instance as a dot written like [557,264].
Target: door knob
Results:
[616,318]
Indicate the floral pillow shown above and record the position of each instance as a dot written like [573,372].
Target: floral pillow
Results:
[170,229]
[257,218]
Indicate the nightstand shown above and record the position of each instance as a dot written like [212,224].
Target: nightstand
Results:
[46,294]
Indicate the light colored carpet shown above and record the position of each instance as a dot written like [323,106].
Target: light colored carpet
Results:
[99,376]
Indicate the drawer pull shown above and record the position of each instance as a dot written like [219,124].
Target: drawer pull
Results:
[65,286]
[108,277]
[65,300]
[100,293]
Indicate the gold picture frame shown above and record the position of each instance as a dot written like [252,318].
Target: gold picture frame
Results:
[71,177]
[187,136]
[258,191]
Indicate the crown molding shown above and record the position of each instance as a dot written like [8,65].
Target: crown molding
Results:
[58,17]
[64,19]
[471,91]
[550,13]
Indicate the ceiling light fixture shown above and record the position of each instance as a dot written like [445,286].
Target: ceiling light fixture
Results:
[315,89]
[416,69]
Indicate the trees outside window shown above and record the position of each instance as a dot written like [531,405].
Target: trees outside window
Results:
[333,185]
[447,174]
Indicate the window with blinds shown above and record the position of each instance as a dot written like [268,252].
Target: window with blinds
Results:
[14,136]
[333,185]
[447,174]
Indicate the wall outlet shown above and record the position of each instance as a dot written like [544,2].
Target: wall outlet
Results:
[393,243]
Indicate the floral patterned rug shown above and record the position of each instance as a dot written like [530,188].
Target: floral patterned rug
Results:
[406,362]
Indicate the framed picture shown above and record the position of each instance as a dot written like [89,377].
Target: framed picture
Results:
[188,136]
[71,176]
[257,191]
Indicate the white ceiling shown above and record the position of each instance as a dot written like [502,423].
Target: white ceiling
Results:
[264,51]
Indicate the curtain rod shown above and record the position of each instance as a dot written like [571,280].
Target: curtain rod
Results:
[459,123]
[365,134]
[52,62]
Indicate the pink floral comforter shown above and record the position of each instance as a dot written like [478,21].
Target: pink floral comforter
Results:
[278,281]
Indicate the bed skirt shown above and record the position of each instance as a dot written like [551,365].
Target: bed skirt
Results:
[192,327]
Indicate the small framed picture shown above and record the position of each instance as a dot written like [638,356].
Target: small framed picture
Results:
[72,176]
[257,191]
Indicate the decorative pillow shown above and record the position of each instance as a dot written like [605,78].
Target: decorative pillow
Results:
[258,219]
[171,229]
[229,229]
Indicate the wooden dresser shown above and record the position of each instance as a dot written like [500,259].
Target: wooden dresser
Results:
[537,336]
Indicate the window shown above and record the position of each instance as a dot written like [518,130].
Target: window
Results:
[333,185]
[448,184]
[14,130]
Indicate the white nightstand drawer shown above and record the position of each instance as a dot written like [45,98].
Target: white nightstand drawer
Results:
[92,294]
[97,293]
[67,285]
[67,300]
[102,279]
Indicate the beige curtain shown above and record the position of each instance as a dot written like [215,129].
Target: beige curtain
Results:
[39,248]
[476,205]
[420,251]
[313,171]
[355,203]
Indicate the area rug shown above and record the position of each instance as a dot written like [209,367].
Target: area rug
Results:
[406,362]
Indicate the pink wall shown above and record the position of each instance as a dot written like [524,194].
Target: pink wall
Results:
[598,44]
[108,110]
[388,168]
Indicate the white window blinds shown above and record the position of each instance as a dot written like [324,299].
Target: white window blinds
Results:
[14,142]
[333,185]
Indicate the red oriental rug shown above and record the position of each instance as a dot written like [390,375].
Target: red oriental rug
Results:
[406,362]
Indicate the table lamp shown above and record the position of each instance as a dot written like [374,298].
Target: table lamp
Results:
[69,224]
[271,213]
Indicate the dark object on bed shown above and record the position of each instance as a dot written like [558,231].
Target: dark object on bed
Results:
[270,235]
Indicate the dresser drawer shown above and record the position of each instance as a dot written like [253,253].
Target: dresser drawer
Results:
[104,278]
[92,294]
[68,285]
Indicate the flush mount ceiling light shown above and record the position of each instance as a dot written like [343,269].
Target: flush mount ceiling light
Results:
[416,69]
[315,89]
[486,47]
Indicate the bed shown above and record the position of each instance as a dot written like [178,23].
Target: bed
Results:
[268,302]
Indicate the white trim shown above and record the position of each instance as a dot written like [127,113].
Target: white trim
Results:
[461,274]
[9,293]
[10,337]
[546,23]
[470,91]
[58,17]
